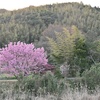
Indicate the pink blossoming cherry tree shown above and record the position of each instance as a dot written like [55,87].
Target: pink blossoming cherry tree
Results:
[19,58]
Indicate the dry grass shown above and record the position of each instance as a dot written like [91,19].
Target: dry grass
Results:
[66,95]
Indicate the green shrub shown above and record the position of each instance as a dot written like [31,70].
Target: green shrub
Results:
[76,82]
[58,73]
[42,84]
[92,76]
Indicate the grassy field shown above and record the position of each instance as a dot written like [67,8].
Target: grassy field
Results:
[7,93]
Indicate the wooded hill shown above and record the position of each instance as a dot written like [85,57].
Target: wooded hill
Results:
[77,44]
[28,24]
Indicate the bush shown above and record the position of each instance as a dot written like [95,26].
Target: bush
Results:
[92,76]
[42,84]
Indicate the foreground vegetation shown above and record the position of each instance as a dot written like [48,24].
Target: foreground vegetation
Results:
[68,94]
[47,87]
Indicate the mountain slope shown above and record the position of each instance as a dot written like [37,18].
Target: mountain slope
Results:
[27,24]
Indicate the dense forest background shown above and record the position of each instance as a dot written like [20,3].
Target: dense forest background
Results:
[28,24]
[34,24]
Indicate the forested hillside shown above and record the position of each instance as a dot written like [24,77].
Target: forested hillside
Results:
[79,43]
[28,24]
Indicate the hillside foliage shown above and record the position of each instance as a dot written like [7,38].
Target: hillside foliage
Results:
[69,32]
[28,24]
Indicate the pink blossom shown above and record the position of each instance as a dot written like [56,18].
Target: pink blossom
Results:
[21,58]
